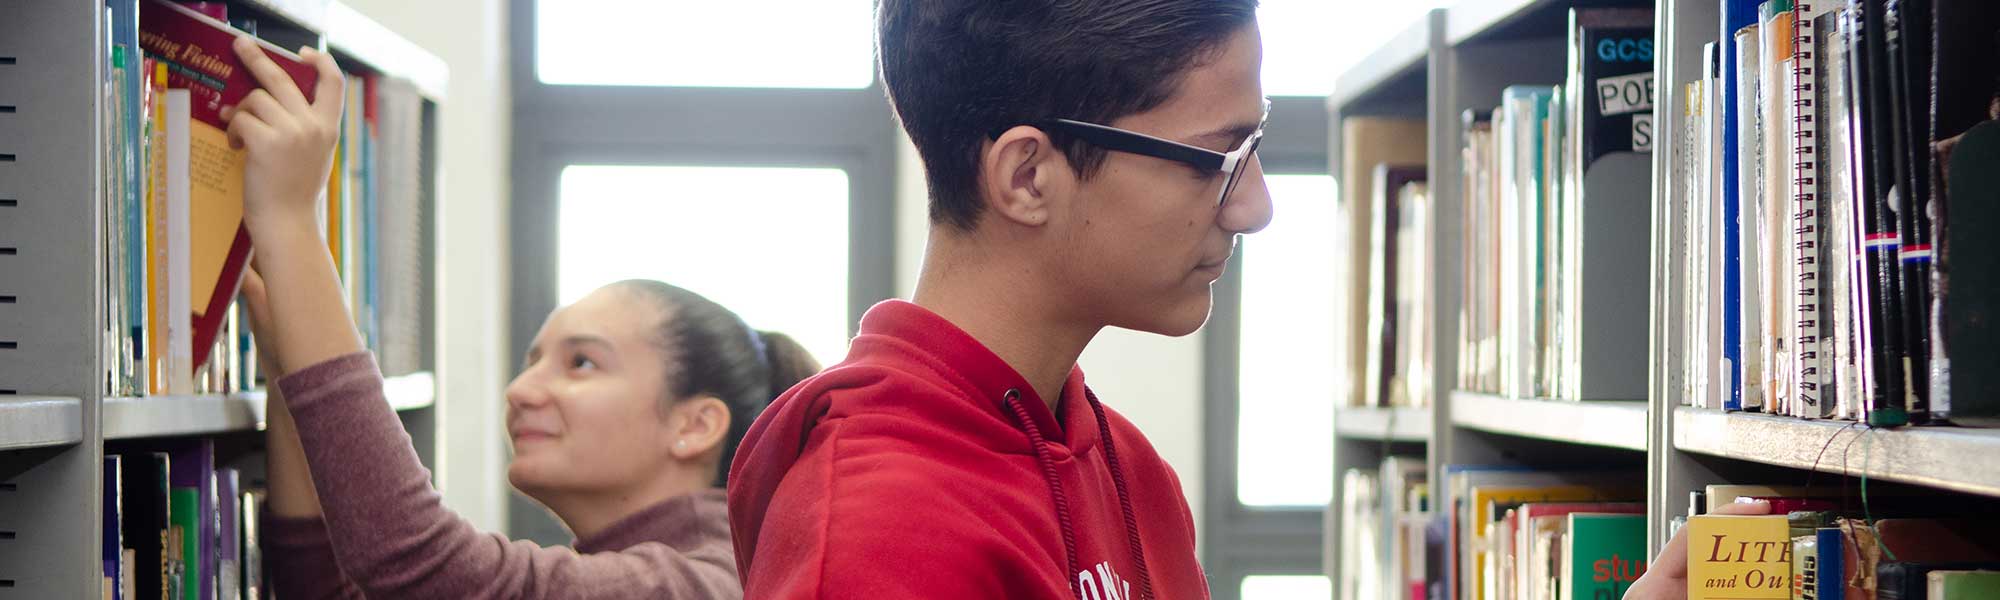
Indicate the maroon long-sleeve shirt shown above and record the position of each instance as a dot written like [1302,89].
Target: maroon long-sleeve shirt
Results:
[387,534]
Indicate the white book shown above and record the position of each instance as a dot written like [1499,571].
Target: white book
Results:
[180,256]
[1719,368]
[1750,202]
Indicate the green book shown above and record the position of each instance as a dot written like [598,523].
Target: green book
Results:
[1602,555]
[1963,585]
[185,542]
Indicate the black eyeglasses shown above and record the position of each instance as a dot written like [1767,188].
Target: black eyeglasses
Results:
[1233,164]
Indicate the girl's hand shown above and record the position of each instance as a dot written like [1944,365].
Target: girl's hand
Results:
[290,140]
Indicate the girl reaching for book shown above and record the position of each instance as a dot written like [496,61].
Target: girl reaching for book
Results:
[623,418]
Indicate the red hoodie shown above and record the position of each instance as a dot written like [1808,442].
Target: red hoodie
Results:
[925,467]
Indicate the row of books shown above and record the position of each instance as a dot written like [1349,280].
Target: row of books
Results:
[175,247]
[178,528]
[1814,548]
[1555,223]
[1384,180]
[1500,533]
[1824,245]
[1510,533]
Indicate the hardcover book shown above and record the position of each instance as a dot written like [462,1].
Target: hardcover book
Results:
[197,52]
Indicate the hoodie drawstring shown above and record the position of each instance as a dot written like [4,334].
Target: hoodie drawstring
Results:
[1124,497]
[1049,475]
[1055,483]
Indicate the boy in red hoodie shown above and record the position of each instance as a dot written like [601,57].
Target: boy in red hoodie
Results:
[1090,165]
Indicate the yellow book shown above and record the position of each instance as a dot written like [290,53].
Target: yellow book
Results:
[331,228]
[156,238]
[1487,499]
[1739,557]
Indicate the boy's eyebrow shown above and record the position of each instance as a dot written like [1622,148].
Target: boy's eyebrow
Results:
[1227,136]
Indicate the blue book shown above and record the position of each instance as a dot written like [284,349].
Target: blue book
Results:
[124,38]
[1832,576]
[1736,14]
[114,521]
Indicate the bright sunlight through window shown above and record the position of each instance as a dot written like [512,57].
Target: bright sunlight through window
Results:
[702,43]
[1285,408]
[1287,587]
[1308,43]
[768,243]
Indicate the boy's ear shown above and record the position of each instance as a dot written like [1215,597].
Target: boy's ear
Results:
[1018,172]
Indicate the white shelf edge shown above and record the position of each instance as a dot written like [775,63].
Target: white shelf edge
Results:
[39,421]
[1470,18]
[354,34]
[1605,423]
[1395,424]
[1954,458]
[162,416]
[206,414]
[1408,50]
[309,14]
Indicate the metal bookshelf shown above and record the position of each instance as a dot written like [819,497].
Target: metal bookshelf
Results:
[1397,79]
[55,421]
[1952,458]
[37,422]
[1393,424]
[1460,58]
[209,414]
[1609,424]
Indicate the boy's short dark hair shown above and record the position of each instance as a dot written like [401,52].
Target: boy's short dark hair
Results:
[957,70]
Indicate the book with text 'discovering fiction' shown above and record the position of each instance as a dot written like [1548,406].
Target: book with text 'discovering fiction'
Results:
[197,52]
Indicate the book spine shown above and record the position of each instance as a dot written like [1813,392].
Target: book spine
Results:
[1807,276]
[1750,191]
[1736,14]
[1907,34]
[1886,404]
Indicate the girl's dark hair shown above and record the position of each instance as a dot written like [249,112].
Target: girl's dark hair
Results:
[712,352]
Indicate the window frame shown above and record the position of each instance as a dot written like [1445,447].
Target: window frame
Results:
[1243,540]
[554,126]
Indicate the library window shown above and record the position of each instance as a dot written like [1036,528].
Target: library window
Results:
[706,44]
[1285,420]
[1283,587]
[705,229]
[1307,43]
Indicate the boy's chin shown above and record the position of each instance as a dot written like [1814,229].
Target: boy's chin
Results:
[1177,319]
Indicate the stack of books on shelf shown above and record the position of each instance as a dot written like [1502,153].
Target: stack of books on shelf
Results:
[1500,533]
[176,526]
[1387,208]
[1511,533]
[1827,253]
[1819,545]
[1382,545]
[1556,218]
[176,249]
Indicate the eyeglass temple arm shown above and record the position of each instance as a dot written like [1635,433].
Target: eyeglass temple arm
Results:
[1139,143]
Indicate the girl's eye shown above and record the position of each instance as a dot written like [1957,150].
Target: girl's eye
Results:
[580,361]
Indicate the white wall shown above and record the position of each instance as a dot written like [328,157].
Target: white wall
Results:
[471,37]
[1155,381]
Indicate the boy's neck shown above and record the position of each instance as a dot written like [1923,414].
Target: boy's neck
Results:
[1001,302]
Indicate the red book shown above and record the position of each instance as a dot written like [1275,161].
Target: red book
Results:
[199,57]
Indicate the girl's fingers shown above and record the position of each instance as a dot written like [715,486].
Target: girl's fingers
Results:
[331,90]
[245,129]
[268,75]
[261,105]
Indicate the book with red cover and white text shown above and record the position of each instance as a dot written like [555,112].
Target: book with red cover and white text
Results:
[197,52]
